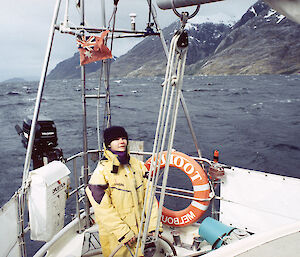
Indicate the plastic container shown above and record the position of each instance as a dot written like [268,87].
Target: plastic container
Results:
[214,231]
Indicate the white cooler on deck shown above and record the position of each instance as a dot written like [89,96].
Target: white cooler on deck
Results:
[47,200]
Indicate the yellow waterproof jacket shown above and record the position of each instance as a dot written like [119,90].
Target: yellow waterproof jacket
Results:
[117,193]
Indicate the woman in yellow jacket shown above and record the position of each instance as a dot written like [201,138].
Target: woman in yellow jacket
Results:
[116,191]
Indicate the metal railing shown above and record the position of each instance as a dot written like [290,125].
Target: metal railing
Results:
[79,187]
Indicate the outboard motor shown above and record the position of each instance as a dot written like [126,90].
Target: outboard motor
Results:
[45,144]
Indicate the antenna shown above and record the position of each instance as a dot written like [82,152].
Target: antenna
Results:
[132,17]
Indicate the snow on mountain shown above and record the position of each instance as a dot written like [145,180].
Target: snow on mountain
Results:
[272,12]
[217,18]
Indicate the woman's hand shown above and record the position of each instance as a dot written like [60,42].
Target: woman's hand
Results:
[131,241]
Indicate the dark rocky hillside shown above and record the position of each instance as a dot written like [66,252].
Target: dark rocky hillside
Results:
[70,68]
[261,42]
[148,58]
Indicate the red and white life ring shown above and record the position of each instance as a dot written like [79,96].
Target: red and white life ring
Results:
[201,190]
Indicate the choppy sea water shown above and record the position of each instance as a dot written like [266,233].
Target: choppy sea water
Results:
[254,121]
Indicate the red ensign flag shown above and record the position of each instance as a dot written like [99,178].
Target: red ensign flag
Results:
[92,48]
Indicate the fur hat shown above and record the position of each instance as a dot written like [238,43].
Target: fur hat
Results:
[112,133]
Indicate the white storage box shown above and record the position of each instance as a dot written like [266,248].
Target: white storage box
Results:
[47,200]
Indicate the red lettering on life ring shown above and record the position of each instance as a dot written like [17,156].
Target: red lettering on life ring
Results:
[201,190]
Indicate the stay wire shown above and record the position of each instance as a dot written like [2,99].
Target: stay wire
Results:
[150,12]
[114,25]
[106,63]
[98,112]
[114,14]
[153,13]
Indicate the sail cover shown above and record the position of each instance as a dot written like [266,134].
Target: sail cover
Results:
[168,4]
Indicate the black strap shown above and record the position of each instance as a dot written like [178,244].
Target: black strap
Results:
[115,169]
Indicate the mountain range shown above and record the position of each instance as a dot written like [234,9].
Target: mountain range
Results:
[261,42]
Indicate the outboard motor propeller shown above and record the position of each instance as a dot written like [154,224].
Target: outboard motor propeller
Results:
[45,144]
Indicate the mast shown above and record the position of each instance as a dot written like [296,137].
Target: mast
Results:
[33,128]
[85,143]
[106,65]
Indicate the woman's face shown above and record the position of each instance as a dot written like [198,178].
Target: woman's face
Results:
[119,144]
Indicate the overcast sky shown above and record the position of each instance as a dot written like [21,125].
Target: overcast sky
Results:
[25,28]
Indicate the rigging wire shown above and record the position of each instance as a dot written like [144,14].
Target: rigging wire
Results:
[153,13]
[106,114]
[98,111]
[113,17]
[106,63]
[150,10]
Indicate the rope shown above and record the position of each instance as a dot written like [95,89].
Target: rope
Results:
[181,58]
[167,115]
[157,144]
